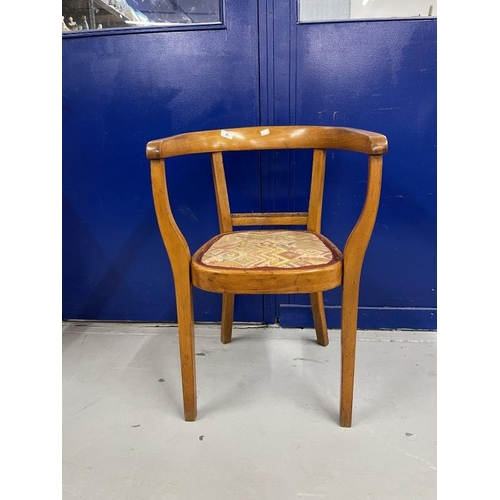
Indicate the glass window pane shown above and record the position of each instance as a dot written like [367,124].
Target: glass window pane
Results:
[323,10]
[311,11]
[103,14]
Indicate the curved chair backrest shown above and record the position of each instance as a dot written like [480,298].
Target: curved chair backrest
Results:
[262,138]
[316,138]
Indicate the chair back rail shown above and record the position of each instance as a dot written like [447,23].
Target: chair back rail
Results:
[265,138]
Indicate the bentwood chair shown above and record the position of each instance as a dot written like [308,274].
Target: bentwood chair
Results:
[268,261]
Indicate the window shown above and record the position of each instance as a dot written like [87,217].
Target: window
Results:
[81,15]
[311,11]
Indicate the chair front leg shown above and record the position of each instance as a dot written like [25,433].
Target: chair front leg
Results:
[349,322]
[185,319]
[180,260]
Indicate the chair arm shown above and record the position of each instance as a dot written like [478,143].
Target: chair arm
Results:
[357,242]
[173,239]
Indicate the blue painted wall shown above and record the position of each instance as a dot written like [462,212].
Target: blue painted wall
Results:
[121,90]
[376,75]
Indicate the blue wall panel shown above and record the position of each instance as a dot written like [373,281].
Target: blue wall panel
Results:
[376,75]
[119,92]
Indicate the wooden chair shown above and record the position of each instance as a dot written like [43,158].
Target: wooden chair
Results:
[261,261]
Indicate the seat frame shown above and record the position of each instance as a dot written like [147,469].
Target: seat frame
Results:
[187,270]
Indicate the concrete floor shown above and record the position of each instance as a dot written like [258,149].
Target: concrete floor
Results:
[267,424]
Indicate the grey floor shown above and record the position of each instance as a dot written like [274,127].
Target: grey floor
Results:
[267,424]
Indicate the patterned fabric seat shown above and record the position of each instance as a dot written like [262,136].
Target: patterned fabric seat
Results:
[268,249]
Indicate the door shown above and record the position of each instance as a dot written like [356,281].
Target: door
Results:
[379,75]
[122,88]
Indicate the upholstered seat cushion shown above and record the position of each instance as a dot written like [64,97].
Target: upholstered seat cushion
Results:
[268,249]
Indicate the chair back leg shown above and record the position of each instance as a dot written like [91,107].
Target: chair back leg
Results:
[318,310]
[227,318]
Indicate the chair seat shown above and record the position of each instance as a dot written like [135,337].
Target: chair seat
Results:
[230,261]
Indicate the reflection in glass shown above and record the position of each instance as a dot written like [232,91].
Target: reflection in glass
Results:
[81,15]
[311,11]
